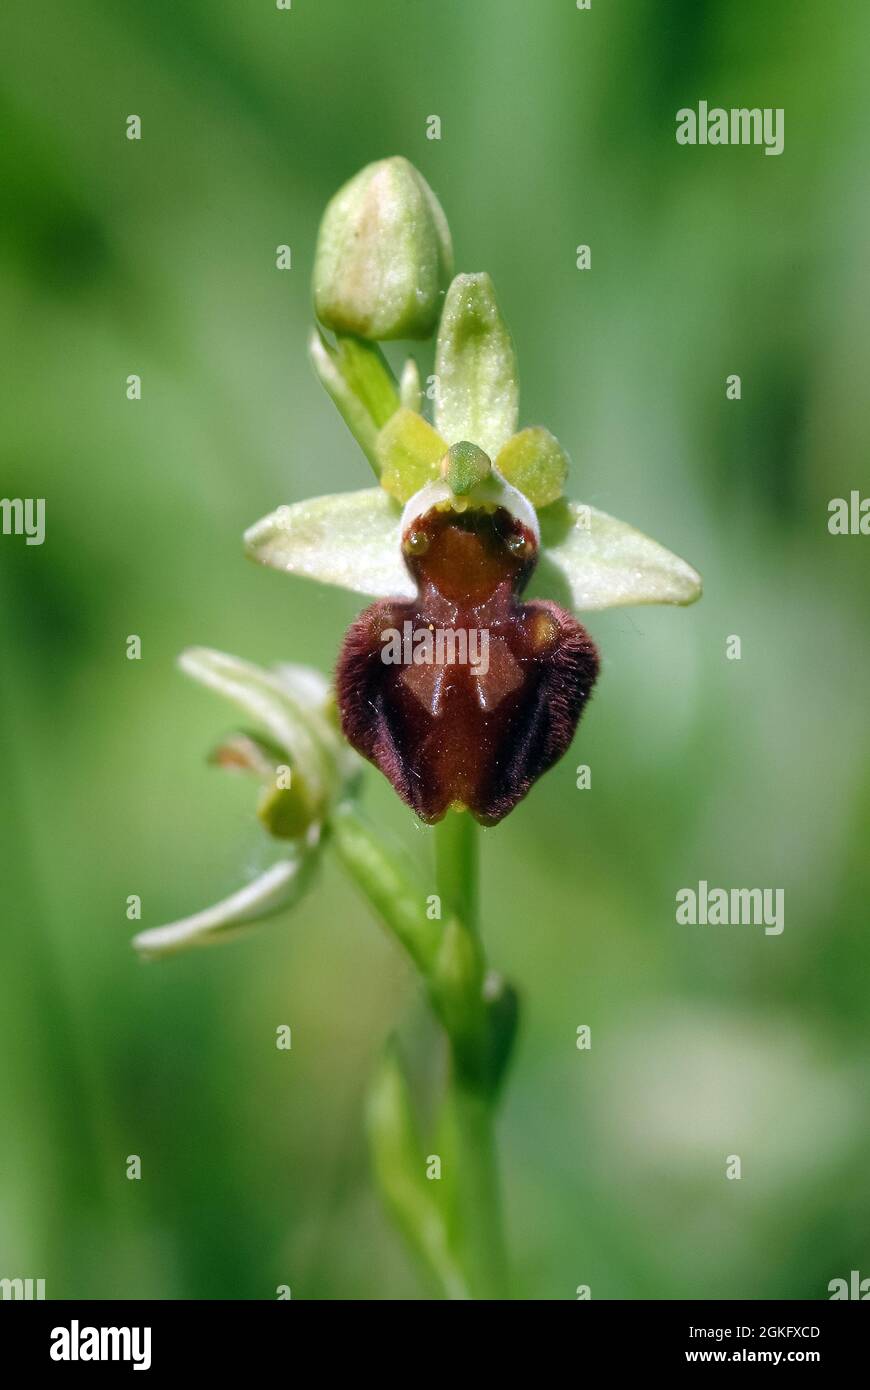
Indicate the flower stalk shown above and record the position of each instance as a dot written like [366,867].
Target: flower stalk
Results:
[457,853]
[473,1091]
[450,959]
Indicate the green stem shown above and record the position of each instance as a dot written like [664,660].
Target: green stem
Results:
[456,866]
[449,957]
[479,1225]
[471,1098]
[389,886]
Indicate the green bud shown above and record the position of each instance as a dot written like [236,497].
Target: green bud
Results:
[286,811]
[383,256]
[465,467]
[286,806]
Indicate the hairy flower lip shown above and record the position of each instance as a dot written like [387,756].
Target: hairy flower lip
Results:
[445,734]
[493,491]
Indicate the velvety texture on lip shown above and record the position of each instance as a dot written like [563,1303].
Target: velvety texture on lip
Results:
[450,732]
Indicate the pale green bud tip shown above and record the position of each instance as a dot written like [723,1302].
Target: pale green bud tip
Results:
[384,257]
[464,467]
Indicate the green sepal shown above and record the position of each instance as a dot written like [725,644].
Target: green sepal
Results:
[352,539]
[589,560]
[535,462]
[409,452]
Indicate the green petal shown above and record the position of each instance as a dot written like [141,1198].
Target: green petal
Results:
[351,539]
[535,462]
[605,563]
[408,452]
[278,888]
[475,367]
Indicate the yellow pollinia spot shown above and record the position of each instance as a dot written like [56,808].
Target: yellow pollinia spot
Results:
[544,631]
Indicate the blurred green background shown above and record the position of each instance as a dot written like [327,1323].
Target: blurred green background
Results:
[158,258]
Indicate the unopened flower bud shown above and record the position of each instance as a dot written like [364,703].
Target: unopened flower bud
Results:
[384,257]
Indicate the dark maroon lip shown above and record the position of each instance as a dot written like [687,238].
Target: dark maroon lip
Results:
[469,555]
[446,732]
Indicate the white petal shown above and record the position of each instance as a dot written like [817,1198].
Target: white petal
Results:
[280,886]
[351,539]
[606,563]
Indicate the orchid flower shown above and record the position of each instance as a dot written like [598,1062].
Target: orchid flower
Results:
[458,685]
[467,507]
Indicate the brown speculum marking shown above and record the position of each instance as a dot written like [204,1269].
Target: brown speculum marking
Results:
[472,714]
